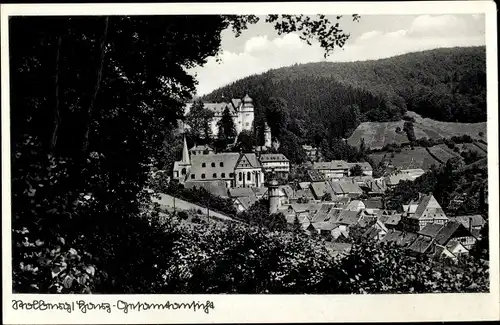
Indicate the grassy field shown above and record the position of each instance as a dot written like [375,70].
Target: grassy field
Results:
[480,149]
[407,158]
[379,134]
[435,128]
[443,153]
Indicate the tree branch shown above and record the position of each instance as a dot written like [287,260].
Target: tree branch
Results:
[85,143]
[57,115]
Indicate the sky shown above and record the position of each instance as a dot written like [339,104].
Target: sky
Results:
[260,48]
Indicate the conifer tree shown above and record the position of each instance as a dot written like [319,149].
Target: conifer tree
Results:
[227,129]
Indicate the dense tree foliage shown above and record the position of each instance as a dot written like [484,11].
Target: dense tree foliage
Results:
[198,119]
[94,100]
[93,103]
[318,95]
[226,127]
[457,188]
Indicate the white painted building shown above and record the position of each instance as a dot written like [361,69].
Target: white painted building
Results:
[242,112]
[276,162]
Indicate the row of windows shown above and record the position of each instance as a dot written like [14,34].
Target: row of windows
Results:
[214,175]
[221,164]
[223,175]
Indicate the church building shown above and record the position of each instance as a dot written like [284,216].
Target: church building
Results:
[233,168]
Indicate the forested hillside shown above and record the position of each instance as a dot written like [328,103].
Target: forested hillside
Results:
[443,84]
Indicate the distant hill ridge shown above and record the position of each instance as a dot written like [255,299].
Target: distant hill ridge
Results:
[447,84]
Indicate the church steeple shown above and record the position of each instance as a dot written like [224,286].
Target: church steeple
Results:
[185,153]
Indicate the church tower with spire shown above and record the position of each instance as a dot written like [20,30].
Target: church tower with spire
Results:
[182,167]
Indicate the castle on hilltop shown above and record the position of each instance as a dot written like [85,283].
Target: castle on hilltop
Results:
[241,109]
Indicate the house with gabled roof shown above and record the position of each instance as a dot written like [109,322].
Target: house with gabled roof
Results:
[366,168]
[355,205]
[392,221]
[471,222]
[422,245]
[455,231]
[351,189]
[417,214]
[275,162]
[334,169]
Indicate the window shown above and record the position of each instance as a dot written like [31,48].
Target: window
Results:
[247,124]
[203,176]
[239,177]
[203,165]
[213,164]
[183,171]
[194,153]
[221,164]
[214,175]
[248,176]
[192,176]
[223,175]
[231,175]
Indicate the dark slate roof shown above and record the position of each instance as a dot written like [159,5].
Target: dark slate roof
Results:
[393,220]
[477,220]
[334,214]
[406,239]
[324,225]
[431,230]
[320,188]
[392,236]
[445,233]
[322,213]
[248,160]
[337,189]
[349,218]
[421,245]
[247,201]
[371,233]
[351,188]
[241,192]
[331,165]
[373,204]
[270,157]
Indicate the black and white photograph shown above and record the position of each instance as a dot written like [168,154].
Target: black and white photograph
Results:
[249,154]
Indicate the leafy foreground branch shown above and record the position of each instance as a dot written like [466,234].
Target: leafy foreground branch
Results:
[156,254]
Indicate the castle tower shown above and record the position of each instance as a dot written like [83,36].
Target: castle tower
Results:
[246,113]
[267,135]
[274,197]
